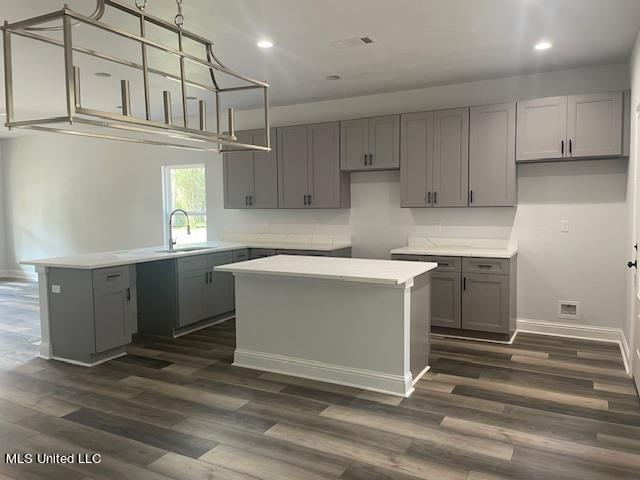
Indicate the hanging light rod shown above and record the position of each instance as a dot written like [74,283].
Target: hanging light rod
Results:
[125,126]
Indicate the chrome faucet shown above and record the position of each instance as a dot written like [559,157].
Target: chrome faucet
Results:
[172,242]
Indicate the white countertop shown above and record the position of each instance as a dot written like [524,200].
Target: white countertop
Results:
[453,251]
[346,269]
[127,257]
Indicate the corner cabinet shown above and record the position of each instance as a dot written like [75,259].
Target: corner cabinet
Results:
[370,143]
[492,156]
[177,293]
[251,178]
[309,173]
[577,126]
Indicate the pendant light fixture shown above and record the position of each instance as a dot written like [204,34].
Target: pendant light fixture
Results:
[90,122]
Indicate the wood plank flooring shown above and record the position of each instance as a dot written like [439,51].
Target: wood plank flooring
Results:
[543,408]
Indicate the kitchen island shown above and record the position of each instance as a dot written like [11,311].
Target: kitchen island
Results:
[92,304]
[356,322]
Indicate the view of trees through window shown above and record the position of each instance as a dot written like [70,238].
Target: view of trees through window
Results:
[186,190]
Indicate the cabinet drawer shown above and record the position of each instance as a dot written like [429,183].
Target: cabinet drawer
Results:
[240,255]
[446,264]
[111,277]
[314,253]
[261,252]
[189,264]
[288,252]
[222,258]
[408,258]
[486,265]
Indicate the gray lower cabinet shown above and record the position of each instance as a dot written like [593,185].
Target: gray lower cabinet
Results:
[178,293]
[92,313]
[445,299]
[261,253]
[370,143]
[492,155]
[472,296]
[251,178]
[341,252]
[309,174]
[485,302]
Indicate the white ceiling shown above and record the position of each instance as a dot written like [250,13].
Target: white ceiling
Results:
[419,43]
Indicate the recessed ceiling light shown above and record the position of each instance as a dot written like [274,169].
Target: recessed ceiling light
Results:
[102,74]
[543,45]
[265,44]
[333,77]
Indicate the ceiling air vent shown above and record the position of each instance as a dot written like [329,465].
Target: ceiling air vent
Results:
[353,42]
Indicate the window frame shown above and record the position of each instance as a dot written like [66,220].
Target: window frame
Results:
[166,195]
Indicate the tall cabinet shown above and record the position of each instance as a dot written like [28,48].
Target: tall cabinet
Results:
[434,158]
[251,178]
[492,155]
[309,167]
[577,126]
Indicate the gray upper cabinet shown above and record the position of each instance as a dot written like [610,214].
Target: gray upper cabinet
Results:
[594,126]
[293,167]
[542,129]
[250,178]
[354,144]
[309,167]
[328,186]
[451,158]
[384,142]
[416,159]
[578,126]
[492,150]
[370,143]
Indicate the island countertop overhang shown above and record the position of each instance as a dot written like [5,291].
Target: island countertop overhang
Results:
[389,272]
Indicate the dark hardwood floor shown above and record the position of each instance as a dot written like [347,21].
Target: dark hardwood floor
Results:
[542,408]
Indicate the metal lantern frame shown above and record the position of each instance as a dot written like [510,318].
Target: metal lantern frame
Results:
[112,126]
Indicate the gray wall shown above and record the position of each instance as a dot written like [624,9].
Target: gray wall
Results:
[71,195]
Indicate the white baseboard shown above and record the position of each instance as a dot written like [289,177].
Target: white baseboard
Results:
[325,372]
[585,332]
[19,274]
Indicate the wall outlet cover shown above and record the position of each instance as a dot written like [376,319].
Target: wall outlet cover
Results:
[569,309]
[56,289]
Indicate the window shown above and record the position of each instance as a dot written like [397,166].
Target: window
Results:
[184,188]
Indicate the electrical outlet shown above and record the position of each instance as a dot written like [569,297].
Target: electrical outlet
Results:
[564,226]
[56,289]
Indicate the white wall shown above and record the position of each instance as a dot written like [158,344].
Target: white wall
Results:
[70,195]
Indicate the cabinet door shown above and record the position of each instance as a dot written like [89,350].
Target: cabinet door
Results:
[384,142]
[492,155]
[594,127]
[445,299]
[111,315]
[292,167]
[354,144]
[265,168]
[238,176]
[416,159]
[192,296]
[451,158]
[485,302]
[323,142]
[220,291]
[542,129]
